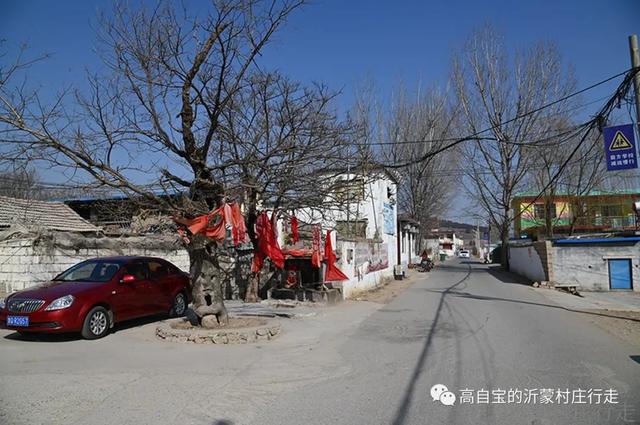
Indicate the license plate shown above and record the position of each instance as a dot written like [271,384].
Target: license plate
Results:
[18,321]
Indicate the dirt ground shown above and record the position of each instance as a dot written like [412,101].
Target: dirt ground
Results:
[234,323]
[389,290]
[623,324]
[617,313]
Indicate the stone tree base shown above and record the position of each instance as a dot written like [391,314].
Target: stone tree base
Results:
[239,330]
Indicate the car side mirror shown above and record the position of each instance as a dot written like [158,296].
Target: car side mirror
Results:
[128,278]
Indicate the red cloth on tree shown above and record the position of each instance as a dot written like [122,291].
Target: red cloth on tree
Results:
[332,273]
[298,252]
[239,228]
[228,215]
[295,236]
[316,256]
[267,244]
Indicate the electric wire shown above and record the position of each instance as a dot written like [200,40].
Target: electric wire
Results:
[474,136]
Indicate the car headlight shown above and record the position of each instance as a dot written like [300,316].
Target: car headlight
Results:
[2,303]
[60,303]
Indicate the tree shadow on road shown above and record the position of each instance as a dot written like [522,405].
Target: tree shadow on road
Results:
[507,277]
[403,409]
[485,298]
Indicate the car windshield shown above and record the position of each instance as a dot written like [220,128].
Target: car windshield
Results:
[90,271]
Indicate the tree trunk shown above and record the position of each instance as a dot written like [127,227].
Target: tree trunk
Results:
[252,289]
[251,295]
[504,255]
[549,206]
[207,279]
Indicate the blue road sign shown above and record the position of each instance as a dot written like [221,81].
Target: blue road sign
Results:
[620,147]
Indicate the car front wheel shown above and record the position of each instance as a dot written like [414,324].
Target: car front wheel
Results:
[96,323]
[179,306]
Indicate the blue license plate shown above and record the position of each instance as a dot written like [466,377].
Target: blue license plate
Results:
[18,321]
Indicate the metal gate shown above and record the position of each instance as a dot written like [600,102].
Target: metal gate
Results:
[620,274]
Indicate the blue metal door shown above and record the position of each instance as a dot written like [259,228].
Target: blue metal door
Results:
[620,274]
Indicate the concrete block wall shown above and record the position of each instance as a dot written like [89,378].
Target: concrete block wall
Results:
[587,265]
[14,259]
[24,264]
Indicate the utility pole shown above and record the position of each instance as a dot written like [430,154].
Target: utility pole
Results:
[478,250]
[635,63]
[489,241]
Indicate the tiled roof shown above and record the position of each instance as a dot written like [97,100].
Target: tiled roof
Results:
[44,214]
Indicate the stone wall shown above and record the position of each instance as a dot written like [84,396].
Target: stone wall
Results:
[28,261]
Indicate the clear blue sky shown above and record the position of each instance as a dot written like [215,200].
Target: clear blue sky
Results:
[343,43]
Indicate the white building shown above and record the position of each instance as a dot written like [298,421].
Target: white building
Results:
[448,243]
[364,228]
[408,246]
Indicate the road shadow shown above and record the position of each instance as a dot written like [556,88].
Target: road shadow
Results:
[462,267]
[505,276]
[75,336]
[485,298]
[405,404]
[635,358]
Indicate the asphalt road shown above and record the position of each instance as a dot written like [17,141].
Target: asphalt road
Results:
[467,328]
[461,326]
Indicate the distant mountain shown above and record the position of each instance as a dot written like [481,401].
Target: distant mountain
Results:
[454,225]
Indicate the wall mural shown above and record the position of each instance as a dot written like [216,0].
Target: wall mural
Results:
[374,254]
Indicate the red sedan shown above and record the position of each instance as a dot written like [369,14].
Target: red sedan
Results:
[93,295]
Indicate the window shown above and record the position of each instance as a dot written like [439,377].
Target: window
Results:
[157,270]
[138,270]
[90,271]
[611,210]
[173,269]
[539,211]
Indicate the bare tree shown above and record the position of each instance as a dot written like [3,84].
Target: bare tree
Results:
[492,91]
[21,184]
[546,161]
[278,135]
[161,121]
[583,174]
[416,128]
